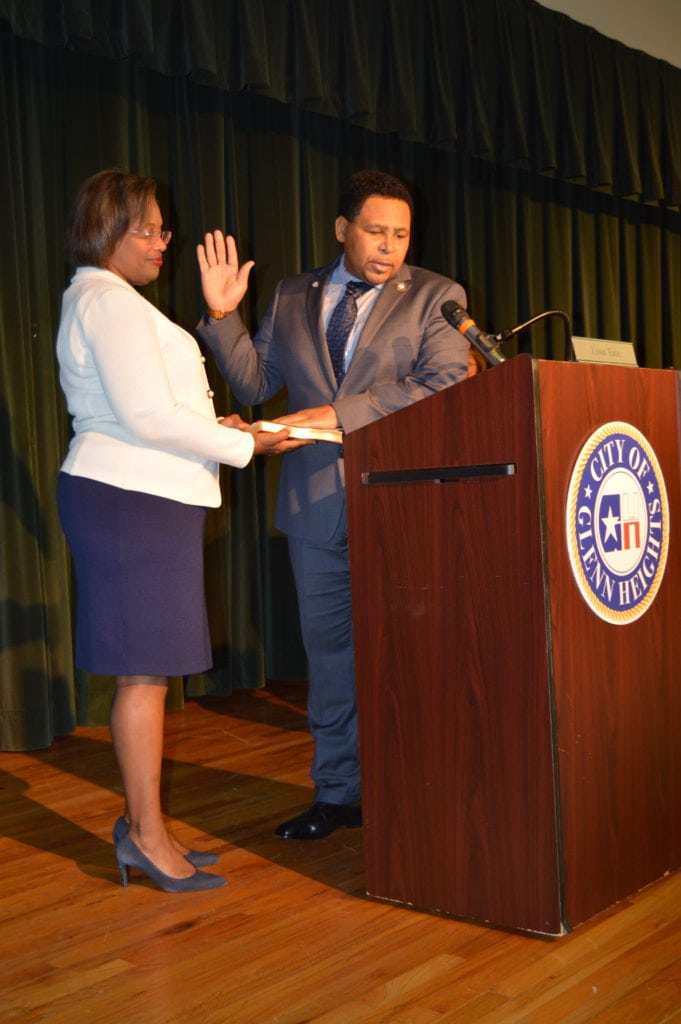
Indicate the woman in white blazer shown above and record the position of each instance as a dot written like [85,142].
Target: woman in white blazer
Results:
[141,469]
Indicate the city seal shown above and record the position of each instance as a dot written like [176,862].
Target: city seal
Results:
[617,521]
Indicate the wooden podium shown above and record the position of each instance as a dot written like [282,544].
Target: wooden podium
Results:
[521,755]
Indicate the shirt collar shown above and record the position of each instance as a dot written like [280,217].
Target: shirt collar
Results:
[341,276]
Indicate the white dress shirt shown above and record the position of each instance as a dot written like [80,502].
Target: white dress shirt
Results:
[365,303]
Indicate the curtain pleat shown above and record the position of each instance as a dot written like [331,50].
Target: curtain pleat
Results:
[652,134]
[626,168]
[602,122]
[517,120]
[308,71]
[439,80]
[671,141]
[475,70]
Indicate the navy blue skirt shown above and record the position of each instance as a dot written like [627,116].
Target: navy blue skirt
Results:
[138,559]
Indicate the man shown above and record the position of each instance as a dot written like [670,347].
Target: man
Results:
[396,348]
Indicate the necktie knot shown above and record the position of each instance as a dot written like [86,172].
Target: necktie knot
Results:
[341,323]
[357,288]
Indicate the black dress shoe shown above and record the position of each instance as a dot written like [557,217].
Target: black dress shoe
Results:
[320,820]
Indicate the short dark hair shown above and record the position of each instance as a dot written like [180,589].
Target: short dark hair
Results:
[106,205]
[363,184]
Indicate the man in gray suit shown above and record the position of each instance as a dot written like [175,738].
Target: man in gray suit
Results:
[395,348]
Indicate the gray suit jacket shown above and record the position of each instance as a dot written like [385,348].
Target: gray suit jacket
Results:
[406,351]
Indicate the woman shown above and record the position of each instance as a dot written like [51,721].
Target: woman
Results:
[140,472]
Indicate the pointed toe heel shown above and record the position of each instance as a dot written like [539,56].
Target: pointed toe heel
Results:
[129,855]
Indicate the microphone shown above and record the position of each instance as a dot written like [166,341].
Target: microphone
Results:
[509,332]
[459,319]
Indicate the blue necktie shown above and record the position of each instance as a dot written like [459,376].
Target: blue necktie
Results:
[341,323]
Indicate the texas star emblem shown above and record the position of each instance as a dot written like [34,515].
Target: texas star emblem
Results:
[617,520]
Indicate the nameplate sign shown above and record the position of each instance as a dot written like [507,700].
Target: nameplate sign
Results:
[597,350]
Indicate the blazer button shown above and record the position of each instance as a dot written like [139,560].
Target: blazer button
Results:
[202,358]
[210,393]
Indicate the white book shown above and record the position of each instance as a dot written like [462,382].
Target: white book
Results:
[300,433]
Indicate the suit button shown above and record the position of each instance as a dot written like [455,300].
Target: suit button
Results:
[210,393]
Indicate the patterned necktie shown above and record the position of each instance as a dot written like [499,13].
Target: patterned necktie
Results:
[341,323]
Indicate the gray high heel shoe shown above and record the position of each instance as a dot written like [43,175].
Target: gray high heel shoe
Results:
[197,858]
[129,855]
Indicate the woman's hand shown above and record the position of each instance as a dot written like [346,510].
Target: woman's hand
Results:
[235,421]
[268,443]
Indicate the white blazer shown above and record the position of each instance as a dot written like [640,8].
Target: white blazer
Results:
[136,387]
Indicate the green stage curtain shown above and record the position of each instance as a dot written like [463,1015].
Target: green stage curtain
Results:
[507,80]
[520,240]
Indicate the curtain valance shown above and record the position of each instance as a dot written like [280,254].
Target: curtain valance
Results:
[505,80]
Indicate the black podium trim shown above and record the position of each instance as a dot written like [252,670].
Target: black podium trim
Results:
[438,474]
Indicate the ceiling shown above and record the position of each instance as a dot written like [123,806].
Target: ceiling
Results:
[654,27]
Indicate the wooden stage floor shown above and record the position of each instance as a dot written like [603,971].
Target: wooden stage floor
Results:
[292,938]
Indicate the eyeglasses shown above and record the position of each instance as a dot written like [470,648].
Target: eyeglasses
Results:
[151,236]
